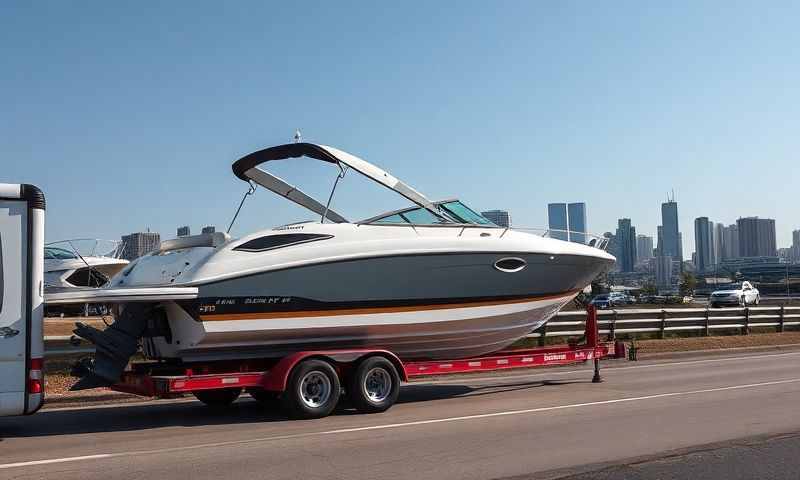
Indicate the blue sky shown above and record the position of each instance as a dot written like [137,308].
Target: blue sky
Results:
[129,115]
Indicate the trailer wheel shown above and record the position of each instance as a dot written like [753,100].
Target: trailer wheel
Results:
[218,398]
[374,386]
[312,391]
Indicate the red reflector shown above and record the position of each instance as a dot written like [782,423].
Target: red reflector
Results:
[37,363]
[35,376]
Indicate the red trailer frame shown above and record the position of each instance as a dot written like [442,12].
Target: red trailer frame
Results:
[164,381]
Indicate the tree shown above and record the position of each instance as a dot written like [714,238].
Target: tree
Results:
[687,284]
[649,288]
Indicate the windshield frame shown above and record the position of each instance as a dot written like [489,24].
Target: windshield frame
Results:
[448,218]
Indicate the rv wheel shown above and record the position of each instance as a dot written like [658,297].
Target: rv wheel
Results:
[218,398]
[374,386]
[312,391]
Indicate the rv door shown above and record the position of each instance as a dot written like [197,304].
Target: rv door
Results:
[21,307]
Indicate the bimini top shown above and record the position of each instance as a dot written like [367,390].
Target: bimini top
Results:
[247,169]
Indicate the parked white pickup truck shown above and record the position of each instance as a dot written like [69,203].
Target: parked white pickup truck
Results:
[740,294]
[21,299]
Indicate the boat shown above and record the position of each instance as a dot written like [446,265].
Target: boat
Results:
[80,262]
[435,280]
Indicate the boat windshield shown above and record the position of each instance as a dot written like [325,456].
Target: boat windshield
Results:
[463,213]
[55,253]
[451,212]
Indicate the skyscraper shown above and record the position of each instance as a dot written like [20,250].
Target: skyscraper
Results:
[137,244]
[663,271]
[644,248]
[730,242]
[576,215]
[794,250]
[208,229]
[757,237]
[184,231]
[626,240]
[719,242]
[557,220]
[671,235]
[704,244]
[498,217]
[567,221]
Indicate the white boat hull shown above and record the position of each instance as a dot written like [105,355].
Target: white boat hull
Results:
[432,332]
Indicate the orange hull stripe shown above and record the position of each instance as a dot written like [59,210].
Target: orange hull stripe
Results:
[369,310]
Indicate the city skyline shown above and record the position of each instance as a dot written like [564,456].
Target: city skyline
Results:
[676,102]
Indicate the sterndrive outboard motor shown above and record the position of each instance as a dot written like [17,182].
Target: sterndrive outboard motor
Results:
[114,346]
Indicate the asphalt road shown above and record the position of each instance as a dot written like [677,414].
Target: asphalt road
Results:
[548,424]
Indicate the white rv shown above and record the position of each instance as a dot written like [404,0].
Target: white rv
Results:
[21,300]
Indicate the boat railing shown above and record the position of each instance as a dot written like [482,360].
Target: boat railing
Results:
[593,240]
[91,247]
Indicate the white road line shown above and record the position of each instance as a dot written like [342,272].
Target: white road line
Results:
[57,460]
[398,425]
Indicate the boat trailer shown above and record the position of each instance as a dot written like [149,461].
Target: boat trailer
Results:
[270,378]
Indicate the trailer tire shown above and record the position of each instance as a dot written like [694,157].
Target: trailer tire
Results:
[312,390]
[374,385]
[219,398]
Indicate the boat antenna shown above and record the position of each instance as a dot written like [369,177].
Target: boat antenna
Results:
[250,190]
[342,171]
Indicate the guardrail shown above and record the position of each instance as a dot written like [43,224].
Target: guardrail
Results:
[663,320]
[611,322]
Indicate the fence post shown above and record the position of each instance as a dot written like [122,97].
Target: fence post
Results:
[612,328]
[780,321]
[663,323]
[706,331]
[746,329]
[542,334]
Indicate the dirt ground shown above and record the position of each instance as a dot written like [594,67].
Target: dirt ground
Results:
[55,326]
[714,343]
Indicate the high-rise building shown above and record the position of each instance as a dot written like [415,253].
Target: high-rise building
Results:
[663,271]
[719,242]
[626,240]
[576,215]
[660,241]
[184,231]
[208,229]
[730,242]
[756,237]
[704,244]
[671,242]
[567,221]
[137,244]
[794,250]
[557,220]
[644,248]
[498,217]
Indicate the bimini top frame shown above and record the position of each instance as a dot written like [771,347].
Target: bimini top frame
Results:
[247,169]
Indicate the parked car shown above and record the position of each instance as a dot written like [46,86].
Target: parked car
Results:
[613,299]
[738,294]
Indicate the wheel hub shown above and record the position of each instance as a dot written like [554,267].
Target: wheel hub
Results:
[377,384]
